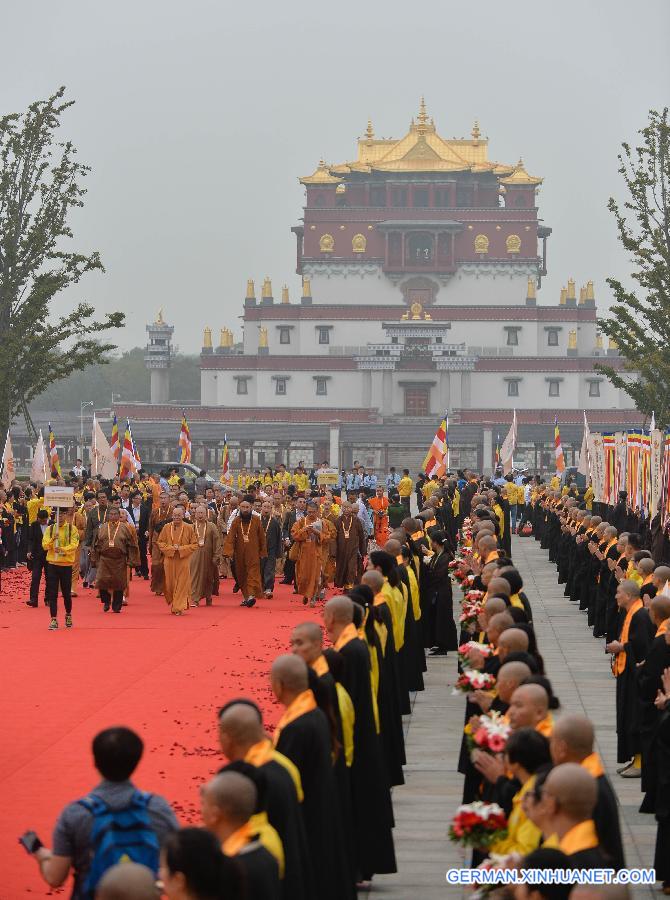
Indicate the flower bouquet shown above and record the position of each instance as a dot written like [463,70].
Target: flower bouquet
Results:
[470,609]
[471,680]
[478,824]
[484,649]
[490,734]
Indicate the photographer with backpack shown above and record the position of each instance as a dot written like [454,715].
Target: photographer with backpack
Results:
[114,821]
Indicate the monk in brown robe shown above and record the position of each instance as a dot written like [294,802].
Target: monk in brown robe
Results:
[177,541]
[350,547]
[245,544]
[308,534]
[114,549]
[157,583]
[205,560]
[328,544]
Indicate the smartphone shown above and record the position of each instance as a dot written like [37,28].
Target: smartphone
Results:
[31,842]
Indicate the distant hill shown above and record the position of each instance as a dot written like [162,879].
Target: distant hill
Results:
[124,376]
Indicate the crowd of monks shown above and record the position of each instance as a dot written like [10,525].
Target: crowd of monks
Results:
[308,812]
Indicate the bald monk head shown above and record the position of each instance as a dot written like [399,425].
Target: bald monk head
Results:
[499,585]
[571,795]
[227,803]
[127,881]
[492,606]
[610,532]
[240,727]
[399,534]
[571,739]
[288,677]
[659,609]
[374,580]
[510,676]
[337,614]
[496,625]
[393,547]
[528,705]
[307,641]
[645,566]
[512,640]
[661,575]
[487,544]
[627,593]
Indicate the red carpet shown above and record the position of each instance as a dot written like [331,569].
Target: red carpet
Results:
[161,675]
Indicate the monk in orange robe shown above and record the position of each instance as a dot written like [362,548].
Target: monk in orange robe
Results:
[308,534]
[177,541]
[379,505]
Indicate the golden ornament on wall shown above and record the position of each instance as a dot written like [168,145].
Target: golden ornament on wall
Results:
[359,243]
[326,243]
[481,244]
[513,243]
[416,309]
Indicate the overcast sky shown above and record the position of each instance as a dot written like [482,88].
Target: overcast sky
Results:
[198,118]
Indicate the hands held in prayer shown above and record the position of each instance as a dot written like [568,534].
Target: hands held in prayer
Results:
[663,696]
[482,699]
[614,647]
[491,767]
[475,659]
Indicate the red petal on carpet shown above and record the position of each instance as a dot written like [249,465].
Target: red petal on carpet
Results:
[164,676]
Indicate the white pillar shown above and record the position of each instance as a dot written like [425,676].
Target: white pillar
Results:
[387,394]
[444,398]
[487,452]
[334,452]
[367,389]
[455,384]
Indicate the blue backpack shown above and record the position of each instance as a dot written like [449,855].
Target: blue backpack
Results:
[119,834]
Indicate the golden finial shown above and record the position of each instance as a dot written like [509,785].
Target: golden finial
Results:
[262,336]
[599,341]
[284,294]
[306,287]
[531,290]
[251,291]
[159,317]
[422,118]
[427,317]
[571,288]
[476,131]
[564,295]
[404,316]
[572,339]
[369,131]
[589,291]
[612,344]
[267,288]
[207,338]
[582,295]
[222,337]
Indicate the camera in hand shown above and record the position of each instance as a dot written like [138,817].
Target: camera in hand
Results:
[31,842]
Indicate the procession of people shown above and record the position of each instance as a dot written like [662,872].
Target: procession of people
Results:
[307,812]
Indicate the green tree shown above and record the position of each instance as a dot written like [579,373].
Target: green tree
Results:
[639,319]
[40,185]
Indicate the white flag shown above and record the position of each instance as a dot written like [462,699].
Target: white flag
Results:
[38,471]
[584,467]
[508,447]
[8,467]
[103,464]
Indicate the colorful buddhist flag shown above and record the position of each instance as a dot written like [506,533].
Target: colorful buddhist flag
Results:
[8,466]
[508,447]
[136,451]
[497,456]
[185,440]
[54,461]
[225,462]
[114,444]
[435,462]
[558,449]
[128,461]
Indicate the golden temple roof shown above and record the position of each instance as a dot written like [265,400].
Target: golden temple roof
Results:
[422,149]
[520,176]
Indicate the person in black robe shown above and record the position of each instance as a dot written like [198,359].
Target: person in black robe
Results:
[572,741]
[229,802]
[304,735]
[243,741]
[437,604]
[660,757]
[415,656]
[570,794]
[649,683]
[635,637]
[373,812]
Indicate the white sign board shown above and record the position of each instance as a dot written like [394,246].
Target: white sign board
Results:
[61,497]
[327,477]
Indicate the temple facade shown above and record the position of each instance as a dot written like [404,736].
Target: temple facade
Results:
[422,263]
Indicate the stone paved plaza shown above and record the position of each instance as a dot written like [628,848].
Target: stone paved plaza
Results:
[580,673]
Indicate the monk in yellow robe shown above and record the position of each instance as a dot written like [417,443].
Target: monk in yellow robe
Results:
[308,534]
[177,541]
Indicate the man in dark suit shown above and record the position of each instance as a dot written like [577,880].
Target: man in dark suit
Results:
[296,512]
[37,556]
[138,515]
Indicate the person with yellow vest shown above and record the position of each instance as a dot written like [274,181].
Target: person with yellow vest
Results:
[61,542]
[405,488]
[635,637]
